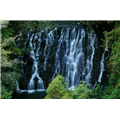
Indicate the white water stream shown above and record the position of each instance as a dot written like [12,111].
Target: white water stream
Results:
[77,60]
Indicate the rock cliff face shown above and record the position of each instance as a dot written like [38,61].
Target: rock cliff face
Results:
[72,52]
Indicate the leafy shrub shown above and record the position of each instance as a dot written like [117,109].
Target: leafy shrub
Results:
[111,92]
[56,89]
[97,92]
[5,94]
[6,33]
[8,80]
[82,91]
[69,94]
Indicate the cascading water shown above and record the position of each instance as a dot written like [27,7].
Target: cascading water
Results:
[49,42]
[57,61]
[66,51]
[89,66]
[74,56]
[102,63]
[34,54]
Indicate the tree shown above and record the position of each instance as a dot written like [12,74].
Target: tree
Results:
[10,70]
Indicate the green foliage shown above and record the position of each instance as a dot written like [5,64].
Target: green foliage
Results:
[6,33]
[9,64]
[83,92]
[8,80]
[57,90]
[69,94]
[97,25]
[97,91]
[25,26]
[16,51]
[114,60]
[4,23]
[4,93]
[112,91]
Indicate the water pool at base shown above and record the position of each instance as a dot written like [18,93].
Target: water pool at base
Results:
[26,95]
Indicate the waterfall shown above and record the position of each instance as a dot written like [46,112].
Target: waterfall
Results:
[89,66]
[71,52]
[34,54]
[57,61]
[74,56]
[103,60]
[49,42]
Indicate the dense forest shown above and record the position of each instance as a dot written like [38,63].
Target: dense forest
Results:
[11,31]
